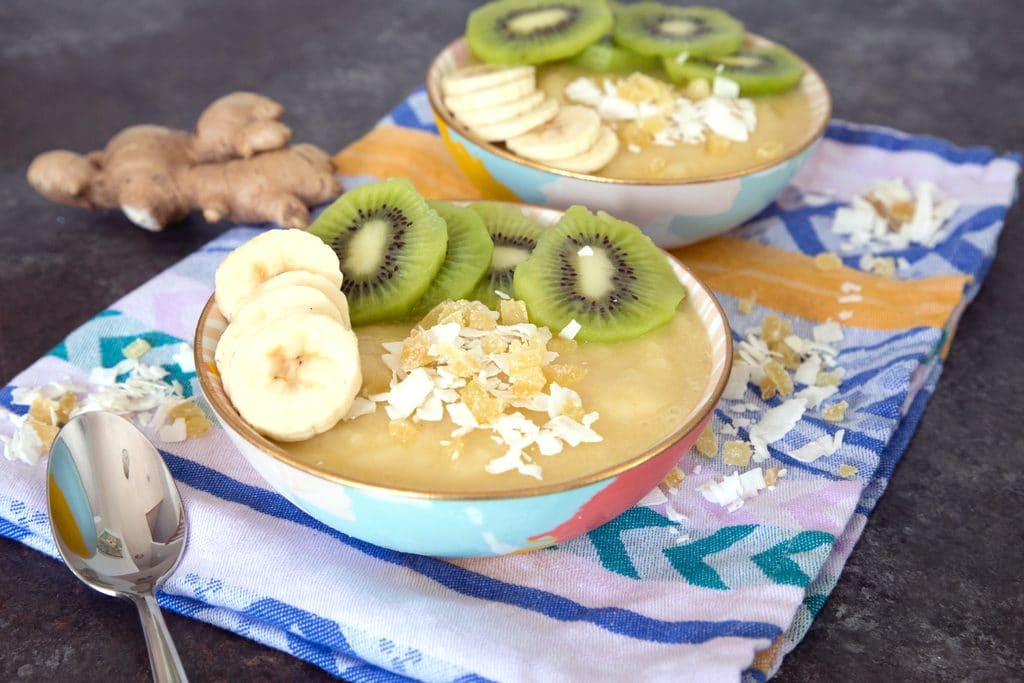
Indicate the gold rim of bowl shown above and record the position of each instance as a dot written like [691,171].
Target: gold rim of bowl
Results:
[227,413]
[434,96]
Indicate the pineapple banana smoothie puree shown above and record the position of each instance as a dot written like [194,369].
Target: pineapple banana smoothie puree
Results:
[782,123]
[642,389]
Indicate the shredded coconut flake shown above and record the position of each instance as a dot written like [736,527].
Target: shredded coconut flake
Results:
[571,329]
[735,489]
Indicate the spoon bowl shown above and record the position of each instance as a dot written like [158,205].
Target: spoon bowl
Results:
[117,519]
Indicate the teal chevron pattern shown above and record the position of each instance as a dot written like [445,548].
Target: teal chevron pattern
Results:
[688,559]
[608,542]
[780,568]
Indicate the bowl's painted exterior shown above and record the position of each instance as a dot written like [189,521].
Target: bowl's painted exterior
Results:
[461,525]
[673,213]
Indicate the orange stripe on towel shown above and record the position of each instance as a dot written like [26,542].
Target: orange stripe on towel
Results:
[393,151]
[791,283]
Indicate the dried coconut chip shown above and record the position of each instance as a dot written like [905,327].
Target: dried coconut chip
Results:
[733,490]
[820,447]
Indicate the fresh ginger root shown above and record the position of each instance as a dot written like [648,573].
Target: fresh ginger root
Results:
[236,167]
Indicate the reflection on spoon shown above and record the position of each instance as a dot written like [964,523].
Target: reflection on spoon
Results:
[118,520]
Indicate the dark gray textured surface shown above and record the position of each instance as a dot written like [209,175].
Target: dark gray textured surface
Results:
[934,589]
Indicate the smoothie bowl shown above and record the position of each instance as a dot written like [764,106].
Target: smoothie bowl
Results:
[693,125]
[467,431]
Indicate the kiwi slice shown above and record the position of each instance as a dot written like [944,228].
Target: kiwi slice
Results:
[621,287]
[390,244]
[535,31]
[467,258]
[606,57]
[651,28]
[514,236]
[757,70]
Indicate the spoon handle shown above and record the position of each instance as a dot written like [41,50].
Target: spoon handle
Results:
[163,657]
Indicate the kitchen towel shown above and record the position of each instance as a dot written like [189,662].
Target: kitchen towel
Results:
[677,588]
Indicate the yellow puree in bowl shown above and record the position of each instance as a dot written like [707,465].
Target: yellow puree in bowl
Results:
[643,389]
[783,123]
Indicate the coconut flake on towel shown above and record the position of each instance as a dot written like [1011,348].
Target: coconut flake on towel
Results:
[891,216]
[821,447]
[735,489]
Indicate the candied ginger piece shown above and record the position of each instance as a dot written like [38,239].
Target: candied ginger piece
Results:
[494,344]
[779,377]
[137,349]
[652,125]
[485,407]
[835,412]
[775,329]
[847,471]
[884,266]
[415,350]
[44,411]
[403,430]
[479,317]
[512,312]
[827,378]
[529,382]
[901,212]
[826,260]
[771,476]
[65,406]
[768,388]
[448,312]
[674,478]
[638,87]
[196,422]
[460,362]
[45,431]
[736,453]
[632,134]
[791,358]
[565,373]
[747,303]
[707,442]
[523,357]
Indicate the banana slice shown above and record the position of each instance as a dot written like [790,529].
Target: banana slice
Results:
[594,158]
[486,116]
[517,125]
[267,255]
[307,279]
[509,91]
[268,306]
[297,377]
[481,77]
[573,131]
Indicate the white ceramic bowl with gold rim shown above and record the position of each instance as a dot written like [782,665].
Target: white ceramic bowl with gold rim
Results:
[672,212]
[477,523]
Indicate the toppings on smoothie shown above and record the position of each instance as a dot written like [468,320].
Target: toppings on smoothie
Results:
[487,371]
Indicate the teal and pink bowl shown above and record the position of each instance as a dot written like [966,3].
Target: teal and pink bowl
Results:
[481,523]
[672,212]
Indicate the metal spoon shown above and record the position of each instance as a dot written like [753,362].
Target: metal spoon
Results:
[117,520]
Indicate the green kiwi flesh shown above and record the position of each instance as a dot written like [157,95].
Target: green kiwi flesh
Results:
[535,31]
[467,258]
[757,70]
[514,236]
[651,28]
[390,243]
[623,290]
[604,57]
